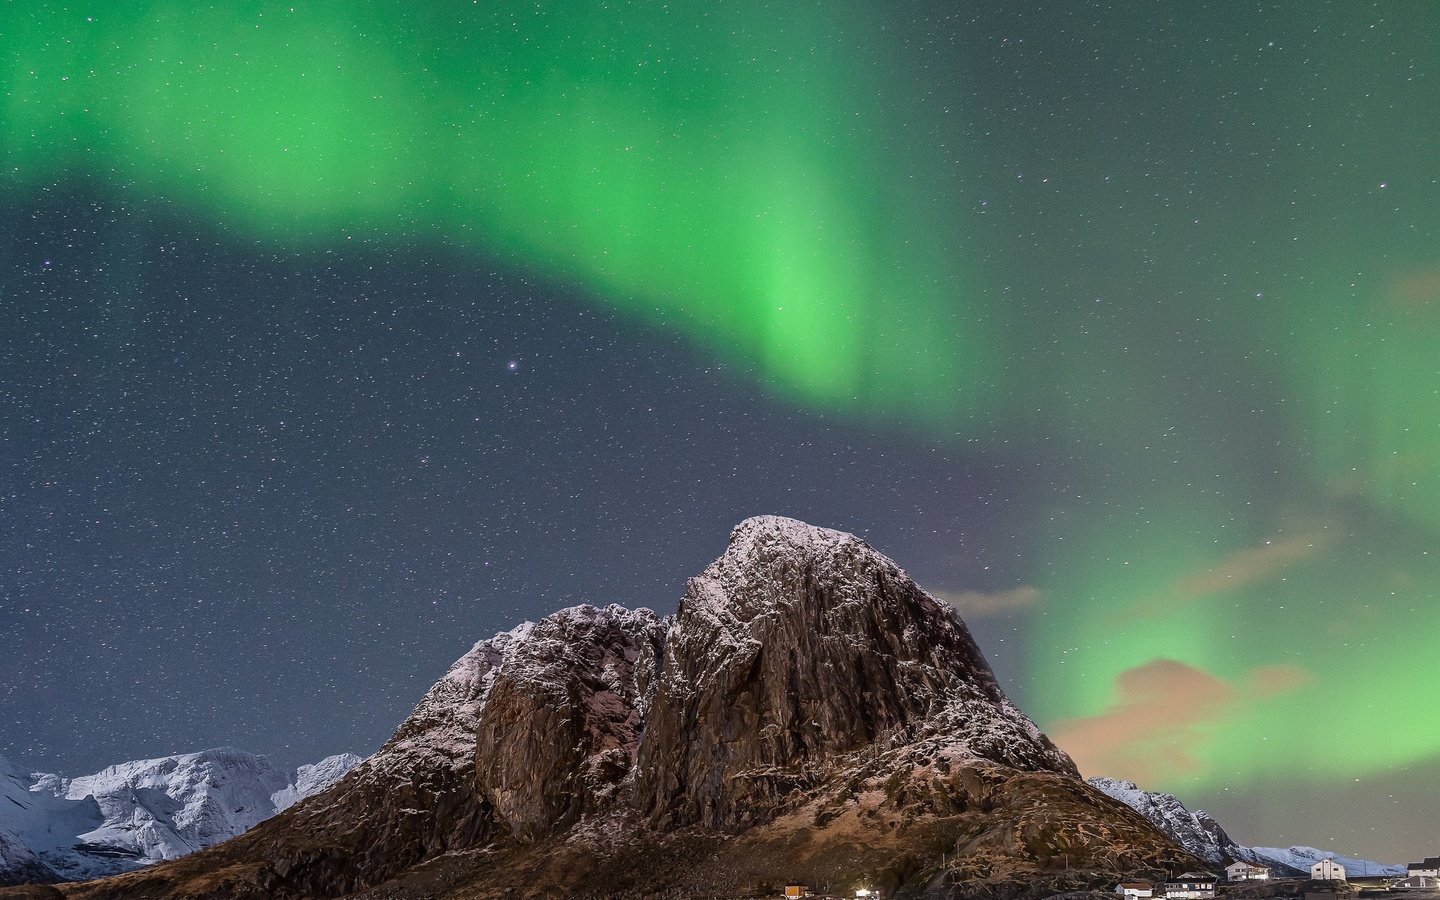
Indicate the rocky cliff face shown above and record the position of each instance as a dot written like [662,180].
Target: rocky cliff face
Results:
[559,731]
[810,713]
[1196,831]
[800,644]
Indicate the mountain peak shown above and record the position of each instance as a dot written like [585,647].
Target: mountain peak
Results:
[136,813]
[800,643]
[808,706]
[771,528]
[765,551]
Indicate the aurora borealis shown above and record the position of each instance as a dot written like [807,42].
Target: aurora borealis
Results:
[336,337]
[704,165]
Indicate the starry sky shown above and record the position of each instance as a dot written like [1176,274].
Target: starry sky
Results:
[335,337]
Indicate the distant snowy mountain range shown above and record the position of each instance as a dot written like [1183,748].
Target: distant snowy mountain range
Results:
[129,815]
[1199,833]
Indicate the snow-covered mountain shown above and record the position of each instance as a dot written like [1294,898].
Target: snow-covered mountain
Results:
[1199,833]
[136,813]
[1302,858]
[37,827]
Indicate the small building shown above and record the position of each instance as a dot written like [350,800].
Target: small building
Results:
[1243,871]
[1327,870]
[1429,867]
[1135,890]
[1416,883]
[1190,886]
[798,890]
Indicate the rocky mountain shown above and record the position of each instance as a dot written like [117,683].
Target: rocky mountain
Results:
[136,813]
[800,645]
[1195,831]
[809,714]
[1199,833]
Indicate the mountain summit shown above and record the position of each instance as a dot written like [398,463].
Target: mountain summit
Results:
[800,645]
[808,715]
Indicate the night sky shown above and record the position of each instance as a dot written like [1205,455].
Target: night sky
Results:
[336,337]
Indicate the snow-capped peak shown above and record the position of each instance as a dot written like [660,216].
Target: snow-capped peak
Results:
[313,778]
[1199,833]
[134,813]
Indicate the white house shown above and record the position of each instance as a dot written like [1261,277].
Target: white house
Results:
[1429,867]
[1243,871]
[1135,890]
[1191,886]
[1327,870]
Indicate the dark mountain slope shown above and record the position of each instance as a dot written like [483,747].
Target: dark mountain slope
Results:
[809,714]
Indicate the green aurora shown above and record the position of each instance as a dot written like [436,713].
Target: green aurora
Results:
[698,165]
[766,180]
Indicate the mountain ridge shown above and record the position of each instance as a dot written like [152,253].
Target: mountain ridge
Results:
[1199,833]
[809,713]
[139,812]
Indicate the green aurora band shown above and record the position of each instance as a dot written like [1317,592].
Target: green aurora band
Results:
[705,166]
[713,168]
